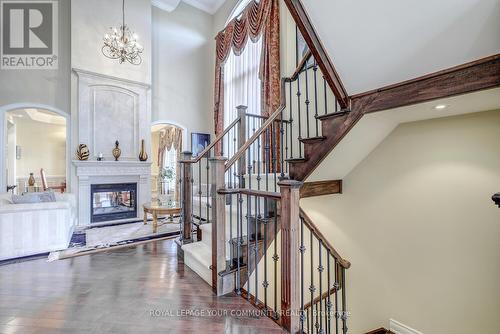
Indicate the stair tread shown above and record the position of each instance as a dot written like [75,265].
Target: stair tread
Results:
[313,139]
[332,115]
[296,160]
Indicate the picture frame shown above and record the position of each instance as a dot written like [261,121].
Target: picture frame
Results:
[199,141]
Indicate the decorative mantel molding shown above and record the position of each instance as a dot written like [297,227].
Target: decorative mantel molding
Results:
[80,72]
[113,168]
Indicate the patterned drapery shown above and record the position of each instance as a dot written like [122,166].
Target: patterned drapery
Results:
[258,19]
[170,137]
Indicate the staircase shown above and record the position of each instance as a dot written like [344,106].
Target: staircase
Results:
[242,227]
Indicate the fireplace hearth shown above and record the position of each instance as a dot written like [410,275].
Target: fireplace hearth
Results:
[113,201]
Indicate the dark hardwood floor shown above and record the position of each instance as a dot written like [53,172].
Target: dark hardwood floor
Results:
[117,292]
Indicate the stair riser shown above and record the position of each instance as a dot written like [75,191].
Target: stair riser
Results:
[330,124]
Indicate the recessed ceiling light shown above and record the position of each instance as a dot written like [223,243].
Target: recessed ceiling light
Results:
[440,106]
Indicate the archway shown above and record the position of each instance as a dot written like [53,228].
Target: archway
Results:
[34,136]
[168,140]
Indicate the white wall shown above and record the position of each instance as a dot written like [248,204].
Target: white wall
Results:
[373,43]
[43,145]
[183,75]
[47,87]
[91,19]
[417,222]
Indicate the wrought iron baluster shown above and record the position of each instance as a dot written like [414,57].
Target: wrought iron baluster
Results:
[253,146]
[325,96]
[275,260]
[307,101]
[274,153]
[312,288]
[249,203]
[337,315]
[329,302]
[291,122]
[282,152]
[266,157]
[302,249]
[256,249]
[209,203]
[344,306]
[299,116]
[239,232]
[315,70]
[265,284]
[320,271]
[199,194]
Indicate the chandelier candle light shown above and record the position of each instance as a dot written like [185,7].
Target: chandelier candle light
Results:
[121,43]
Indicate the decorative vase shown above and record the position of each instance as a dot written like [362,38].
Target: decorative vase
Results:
[82,152]
[31,180]
[116,151]
[143,156]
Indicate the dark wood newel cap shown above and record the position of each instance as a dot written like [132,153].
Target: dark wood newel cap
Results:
[496,199]
[290,184]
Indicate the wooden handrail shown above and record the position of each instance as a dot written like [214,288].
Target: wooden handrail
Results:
[301,65]
[212,144]
[320,298]
[314,44]
[266,117]
[262,128]
[315,231]
[251,192]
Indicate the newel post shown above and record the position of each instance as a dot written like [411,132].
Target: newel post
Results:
[242,131]
[217,168]
[187,198]
[290,259]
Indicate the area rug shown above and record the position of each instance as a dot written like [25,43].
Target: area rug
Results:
[106,237]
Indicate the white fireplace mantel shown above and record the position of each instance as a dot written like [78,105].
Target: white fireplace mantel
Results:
[110,172]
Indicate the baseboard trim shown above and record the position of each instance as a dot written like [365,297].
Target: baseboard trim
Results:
[398,328]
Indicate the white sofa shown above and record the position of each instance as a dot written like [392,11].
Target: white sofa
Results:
[29,229]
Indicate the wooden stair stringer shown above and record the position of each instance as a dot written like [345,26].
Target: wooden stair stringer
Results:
[334,129]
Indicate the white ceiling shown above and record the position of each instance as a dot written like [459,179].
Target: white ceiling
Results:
[209,6]
[377,43]
[36,115]
[369,132]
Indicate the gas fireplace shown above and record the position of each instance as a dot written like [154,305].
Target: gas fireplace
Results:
[113,201]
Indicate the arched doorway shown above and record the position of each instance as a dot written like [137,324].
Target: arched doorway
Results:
[34,137]
[168,140]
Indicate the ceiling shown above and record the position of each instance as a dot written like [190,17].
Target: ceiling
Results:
[209,6]
[36,115]
[369,132]
[377,43]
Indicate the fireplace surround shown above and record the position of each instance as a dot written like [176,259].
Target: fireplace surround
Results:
[113,201]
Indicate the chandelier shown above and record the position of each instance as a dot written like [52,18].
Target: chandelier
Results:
[121,43]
